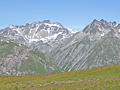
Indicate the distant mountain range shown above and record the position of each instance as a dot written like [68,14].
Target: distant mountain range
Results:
[45,47]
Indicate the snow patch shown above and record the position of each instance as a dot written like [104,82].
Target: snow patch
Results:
[33,40]
[52,37]
[72,31]
[119,30]
[50,25]
[102,34]
[11,26]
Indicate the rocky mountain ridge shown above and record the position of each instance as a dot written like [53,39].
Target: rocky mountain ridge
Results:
[96,46]
[38,31]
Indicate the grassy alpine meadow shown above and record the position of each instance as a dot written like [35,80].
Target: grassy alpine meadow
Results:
[103,78]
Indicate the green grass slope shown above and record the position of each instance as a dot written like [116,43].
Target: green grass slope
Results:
[104,78]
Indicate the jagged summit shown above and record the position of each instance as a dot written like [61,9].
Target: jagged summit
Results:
[96,46]
[38,31]
[95,21]
[57,23]
[101,26]
[46,21]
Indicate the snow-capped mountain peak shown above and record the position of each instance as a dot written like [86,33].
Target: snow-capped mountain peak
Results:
[38,31]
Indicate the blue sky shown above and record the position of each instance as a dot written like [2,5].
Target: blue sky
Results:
[74,14]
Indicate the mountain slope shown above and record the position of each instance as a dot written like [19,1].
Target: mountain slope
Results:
[97,45]
[17,59]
